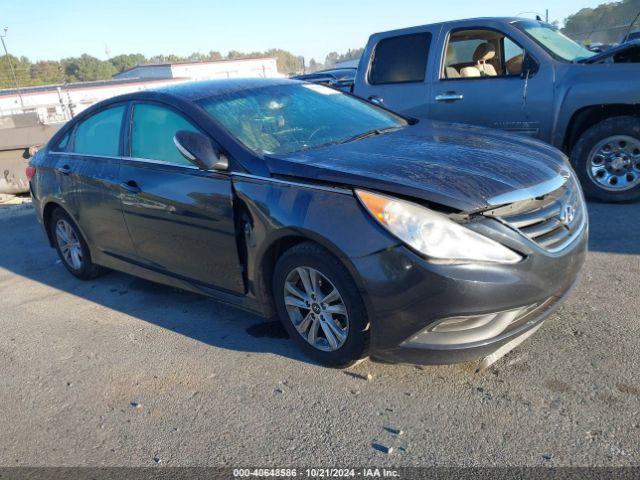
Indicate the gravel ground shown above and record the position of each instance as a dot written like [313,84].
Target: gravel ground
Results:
[120,371]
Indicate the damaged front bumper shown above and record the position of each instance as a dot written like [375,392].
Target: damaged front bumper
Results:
[425,313]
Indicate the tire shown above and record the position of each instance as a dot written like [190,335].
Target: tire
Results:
[594,166]
[351,343]
[85,269]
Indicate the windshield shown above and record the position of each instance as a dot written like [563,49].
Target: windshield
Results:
[297,116]
[554,42]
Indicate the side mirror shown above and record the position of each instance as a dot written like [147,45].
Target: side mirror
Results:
[200,150]
[529,66]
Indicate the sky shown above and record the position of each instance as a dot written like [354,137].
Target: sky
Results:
[54,29]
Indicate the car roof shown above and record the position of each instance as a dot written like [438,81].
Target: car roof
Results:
[192,91]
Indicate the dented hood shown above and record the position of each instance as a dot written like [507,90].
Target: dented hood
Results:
[459,166]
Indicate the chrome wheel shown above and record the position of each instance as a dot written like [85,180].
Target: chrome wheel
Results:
[69,244]
[316,309]
[614,163]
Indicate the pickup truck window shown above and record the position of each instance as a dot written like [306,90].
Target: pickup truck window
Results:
[481,53]
[401,59]
[554,42]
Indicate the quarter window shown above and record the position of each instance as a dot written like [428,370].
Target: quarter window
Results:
[62,144]
[152,133]
[100,133]
[482,53]
[400,59]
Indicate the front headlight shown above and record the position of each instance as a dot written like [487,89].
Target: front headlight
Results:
[433,234]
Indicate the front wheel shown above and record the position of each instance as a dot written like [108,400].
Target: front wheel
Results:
[320,306]
[607,160]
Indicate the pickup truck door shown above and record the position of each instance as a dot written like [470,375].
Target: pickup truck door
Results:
[393,71]
[482,79]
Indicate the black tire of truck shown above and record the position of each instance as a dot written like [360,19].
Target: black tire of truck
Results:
[608,149]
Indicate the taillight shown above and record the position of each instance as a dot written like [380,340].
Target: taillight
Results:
[31,171]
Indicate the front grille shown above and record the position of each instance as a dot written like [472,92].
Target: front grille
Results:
[552,220]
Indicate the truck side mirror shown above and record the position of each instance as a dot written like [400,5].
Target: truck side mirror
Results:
[529,66]
[200,150]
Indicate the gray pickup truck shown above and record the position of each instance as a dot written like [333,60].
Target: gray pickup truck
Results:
[522,76]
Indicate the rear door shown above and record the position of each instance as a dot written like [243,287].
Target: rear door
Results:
[481,81]
[180,218]
[87,165]
[393,72]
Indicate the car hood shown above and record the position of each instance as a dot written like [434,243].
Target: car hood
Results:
[458,166]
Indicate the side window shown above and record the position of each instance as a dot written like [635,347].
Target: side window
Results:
[400,59]
[100,133]
[513,57]
[152,133]
[481,53]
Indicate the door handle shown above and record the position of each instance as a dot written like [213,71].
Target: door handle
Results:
[375,99]
[131,186]
[64,170]
[449,97]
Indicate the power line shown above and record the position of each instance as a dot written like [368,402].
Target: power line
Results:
[11,66]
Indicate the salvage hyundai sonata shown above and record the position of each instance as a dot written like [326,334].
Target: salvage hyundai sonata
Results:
[365,232]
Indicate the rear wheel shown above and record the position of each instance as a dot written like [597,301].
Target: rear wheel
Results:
[71,246]
[320,306]
[607,160]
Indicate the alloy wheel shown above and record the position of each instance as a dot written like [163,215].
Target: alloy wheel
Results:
[614,163]
[69,244]
[316,309]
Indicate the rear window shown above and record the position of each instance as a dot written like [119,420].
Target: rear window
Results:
[400,59]
[100,134]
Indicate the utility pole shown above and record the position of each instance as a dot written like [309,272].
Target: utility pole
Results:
[546,15]
[13,72]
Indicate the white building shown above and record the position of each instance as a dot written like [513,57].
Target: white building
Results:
[59,103]
[245,67]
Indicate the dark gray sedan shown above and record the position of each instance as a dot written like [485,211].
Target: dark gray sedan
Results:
[367,233]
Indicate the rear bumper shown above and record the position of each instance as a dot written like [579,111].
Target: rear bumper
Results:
[407,295]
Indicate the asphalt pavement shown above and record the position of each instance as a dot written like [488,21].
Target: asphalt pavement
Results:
[121,371]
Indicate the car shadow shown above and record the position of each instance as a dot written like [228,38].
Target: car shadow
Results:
[614,228]
[26,253]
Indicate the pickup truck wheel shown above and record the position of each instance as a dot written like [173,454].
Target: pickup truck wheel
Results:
[607,160]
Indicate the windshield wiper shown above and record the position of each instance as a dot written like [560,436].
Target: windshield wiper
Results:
[370,133]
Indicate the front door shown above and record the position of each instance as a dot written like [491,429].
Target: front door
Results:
[482,82]
[180,218]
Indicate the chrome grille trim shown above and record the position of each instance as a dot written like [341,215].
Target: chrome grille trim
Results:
[544,220]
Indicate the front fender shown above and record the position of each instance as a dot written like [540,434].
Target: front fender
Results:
[586,85]
[279,210]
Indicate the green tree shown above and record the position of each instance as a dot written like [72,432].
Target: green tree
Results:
[606,23]
[21,68]
[87,68]
[331,58]
[214,55]
[46,72]
[127,61]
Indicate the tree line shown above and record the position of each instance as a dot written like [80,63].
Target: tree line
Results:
[86,68]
